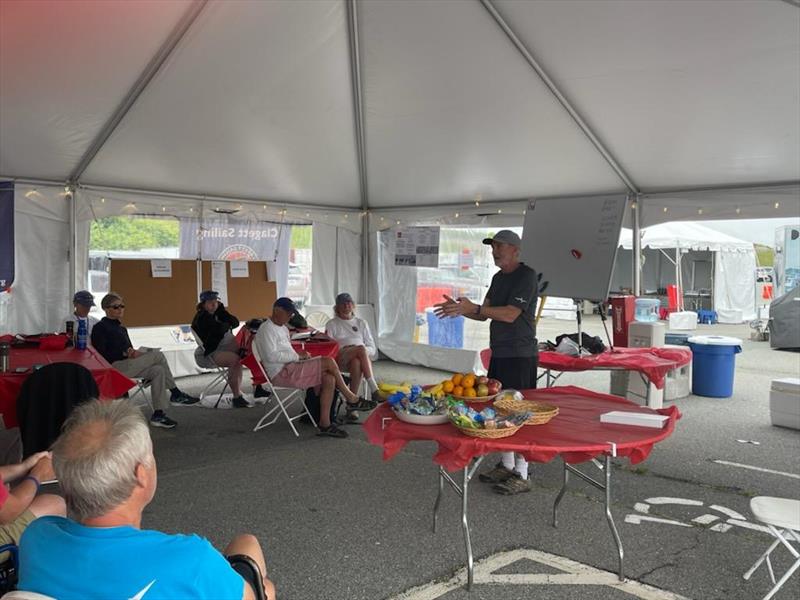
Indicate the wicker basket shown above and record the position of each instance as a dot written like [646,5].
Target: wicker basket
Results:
[542,413]
[491,434]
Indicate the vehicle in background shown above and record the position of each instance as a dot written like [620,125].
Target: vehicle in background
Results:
[433,284]
[298,285]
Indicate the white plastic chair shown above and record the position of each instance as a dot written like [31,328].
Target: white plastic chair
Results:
[782,517]
[317,320]
[281,403]
[221,374]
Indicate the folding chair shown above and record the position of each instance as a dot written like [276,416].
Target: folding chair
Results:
[317,320]
[220,373]
[141,384]
[782,517]
[281,403]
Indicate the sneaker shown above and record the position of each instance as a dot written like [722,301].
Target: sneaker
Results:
[261,392]
[513,485]
[183,399]
[161,420]
[497,475]
[241,402]
[332,431]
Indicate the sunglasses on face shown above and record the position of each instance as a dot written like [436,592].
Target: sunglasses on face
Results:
[117,306]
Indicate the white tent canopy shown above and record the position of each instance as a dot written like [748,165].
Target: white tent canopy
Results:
[734,270]
[357,114]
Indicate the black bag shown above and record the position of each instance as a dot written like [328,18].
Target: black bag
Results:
[312,402]
[298,321]
[592,343]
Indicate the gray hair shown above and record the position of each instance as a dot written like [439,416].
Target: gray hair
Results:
[108,299]
[96,456]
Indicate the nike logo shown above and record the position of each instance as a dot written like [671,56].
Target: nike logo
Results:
[520,299]
[141,594]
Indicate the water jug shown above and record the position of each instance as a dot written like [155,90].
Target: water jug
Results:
[646,309]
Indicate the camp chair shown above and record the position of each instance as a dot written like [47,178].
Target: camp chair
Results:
[782,517]
[140,386]
[281,403]
[9,568]
[220,373]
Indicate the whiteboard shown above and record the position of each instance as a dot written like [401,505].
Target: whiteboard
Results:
[573,242]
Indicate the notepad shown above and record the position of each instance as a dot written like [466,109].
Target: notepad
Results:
[620,417]
[303,335]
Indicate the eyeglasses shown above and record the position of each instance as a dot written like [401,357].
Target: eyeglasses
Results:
[117,306]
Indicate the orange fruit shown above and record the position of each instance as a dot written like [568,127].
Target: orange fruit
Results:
[468,381]
[458,391]
[456,379]
[469,392]
[448,386]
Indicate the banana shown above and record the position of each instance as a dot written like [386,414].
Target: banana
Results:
[391,388]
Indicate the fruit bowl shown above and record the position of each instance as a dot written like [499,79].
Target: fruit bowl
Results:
[434,419]
[475,398]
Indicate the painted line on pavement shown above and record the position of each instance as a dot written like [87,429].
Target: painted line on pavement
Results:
[752,468]
[574,573]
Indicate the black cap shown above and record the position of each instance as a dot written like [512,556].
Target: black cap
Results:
[286,304]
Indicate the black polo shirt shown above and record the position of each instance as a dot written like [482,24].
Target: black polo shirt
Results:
[110,339]
[518,288]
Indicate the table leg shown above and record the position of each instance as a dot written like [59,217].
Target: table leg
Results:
[465,526]
[606,487]
[438,498]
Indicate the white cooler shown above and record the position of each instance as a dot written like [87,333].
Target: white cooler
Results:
[686,320]
[784,403]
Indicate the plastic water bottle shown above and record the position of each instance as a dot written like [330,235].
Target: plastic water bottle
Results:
[83,334]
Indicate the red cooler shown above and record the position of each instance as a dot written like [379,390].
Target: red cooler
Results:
[623,309]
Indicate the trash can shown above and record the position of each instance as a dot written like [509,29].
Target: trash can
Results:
[447,332]
[713,364]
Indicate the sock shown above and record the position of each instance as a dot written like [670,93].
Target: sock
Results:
[158,413]
[373,385]
[174,392]
[521,466]
[508,460]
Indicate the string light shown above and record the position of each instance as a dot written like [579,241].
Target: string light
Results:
[499,211]
[633,204]
[308,215]
[524,211]
[163,209]
[738,210]
[264,207]
[346,215]
[699,211]
[665,209]
[191,209]
[777,205]
[102,200]
[456,215]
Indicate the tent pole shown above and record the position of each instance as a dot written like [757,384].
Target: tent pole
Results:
[637,247]
[73,239]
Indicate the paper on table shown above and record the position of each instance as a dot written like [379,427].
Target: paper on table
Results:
[621,417]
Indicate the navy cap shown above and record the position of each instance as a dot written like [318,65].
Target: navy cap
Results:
[209,295]
[343,298]
[504,236]
[83,298]
[286,304]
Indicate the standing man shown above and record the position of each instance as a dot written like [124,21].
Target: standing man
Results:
[510,304]
[83,302]
[110,339]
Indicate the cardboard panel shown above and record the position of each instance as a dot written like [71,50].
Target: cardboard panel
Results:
[250,297]
[155,301]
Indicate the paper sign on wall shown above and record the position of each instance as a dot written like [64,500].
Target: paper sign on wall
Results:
[161,267]
[239,269]
[416,247]
[219,279]
[272,270]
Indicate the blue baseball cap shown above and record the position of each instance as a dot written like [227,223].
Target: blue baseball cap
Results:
[84,298]
[286,304]
[209,295]
[343,298]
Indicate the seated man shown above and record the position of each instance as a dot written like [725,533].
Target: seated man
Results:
[285,367]
[356,345]
[83,302]
[110,338]
[21,505]
[106,468]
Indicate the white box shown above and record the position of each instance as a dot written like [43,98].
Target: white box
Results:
[685,320]
[646,335]
[621,417]
[678,383]
[784,403]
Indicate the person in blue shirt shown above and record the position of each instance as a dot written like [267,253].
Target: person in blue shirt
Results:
[105,465]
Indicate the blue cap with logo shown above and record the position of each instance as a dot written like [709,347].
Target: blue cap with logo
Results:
[286,304]
[343,298]
[84,298]
[209,295]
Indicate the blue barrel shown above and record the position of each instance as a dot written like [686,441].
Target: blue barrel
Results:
[713,364]
[447,332]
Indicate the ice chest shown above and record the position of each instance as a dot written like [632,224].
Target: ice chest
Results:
[683,320]
[784,403]
[713,364]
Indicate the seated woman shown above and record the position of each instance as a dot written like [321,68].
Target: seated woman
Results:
[285,367]
[356,346]
[213,325]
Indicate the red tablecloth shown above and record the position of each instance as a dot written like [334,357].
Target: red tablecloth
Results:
[321,345]
[655,363]
[576,433]
[110,382]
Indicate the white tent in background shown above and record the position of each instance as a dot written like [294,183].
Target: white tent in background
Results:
[734,269]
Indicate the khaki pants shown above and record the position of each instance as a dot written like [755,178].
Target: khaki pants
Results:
[12,532]
[153,367]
